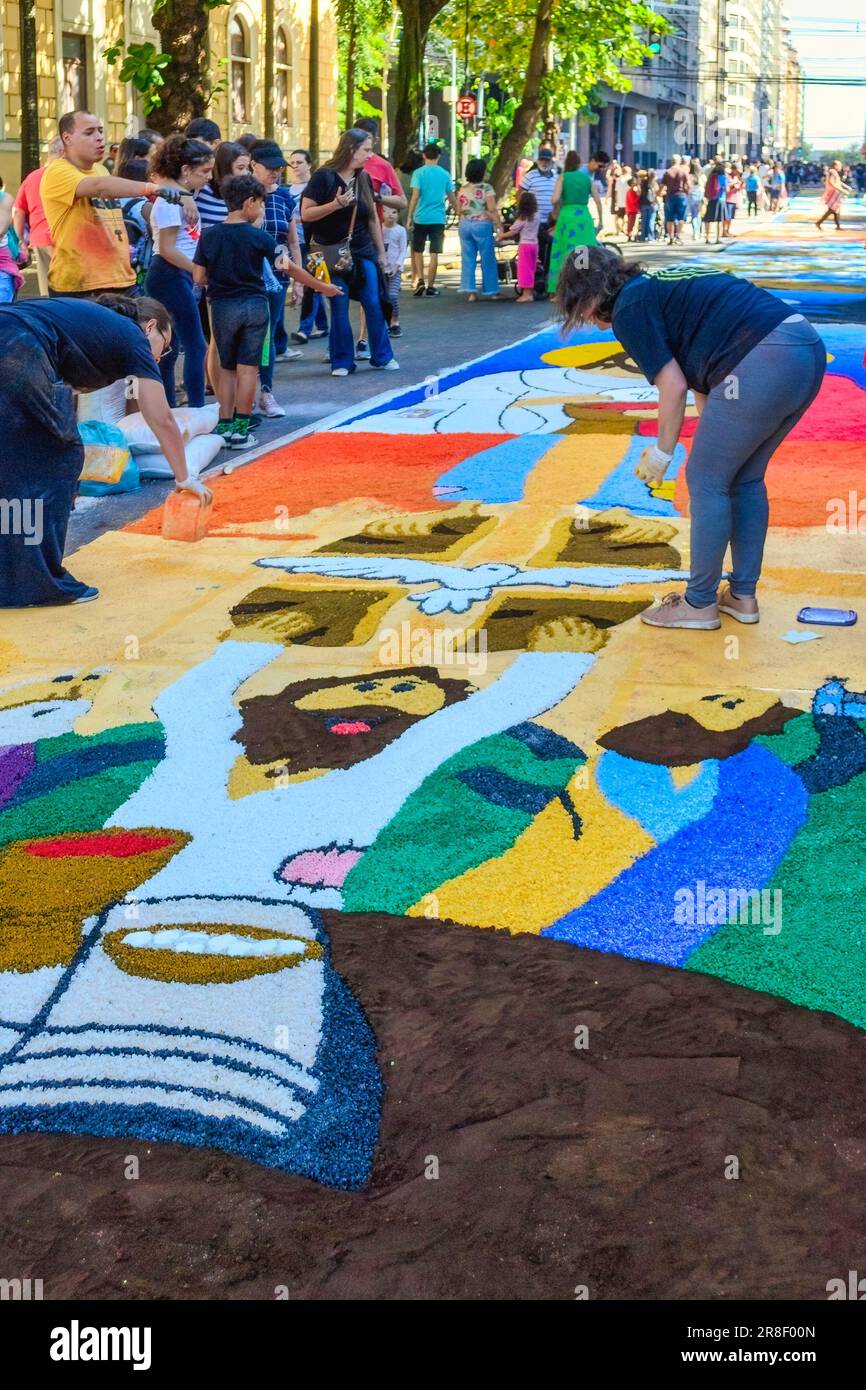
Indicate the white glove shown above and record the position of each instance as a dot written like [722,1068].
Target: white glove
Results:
[191,484]
[652,466]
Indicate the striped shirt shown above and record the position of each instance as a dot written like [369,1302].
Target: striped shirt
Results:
[211,209]
[542,185]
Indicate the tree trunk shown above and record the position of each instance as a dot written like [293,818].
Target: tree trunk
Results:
[551,131]
[182,28]
[409,90]
[268,83]
[314,81]
[350,68]
[29,89]
[527,113]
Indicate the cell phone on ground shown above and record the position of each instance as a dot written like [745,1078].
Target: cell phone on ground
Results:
[829,617]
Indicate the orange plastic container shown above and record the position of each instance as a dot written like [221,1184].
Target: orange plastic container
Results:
[185,517]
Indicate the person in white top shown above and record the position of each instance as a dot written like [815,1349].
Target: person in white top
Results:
[620,190]
[186,166]
[396,243]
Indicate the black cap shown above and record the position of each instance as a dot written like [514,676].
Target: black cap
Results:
[267,152]
[545,152]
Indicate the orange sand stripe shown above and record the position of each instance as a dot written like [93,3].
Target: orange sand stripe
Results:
[325,469]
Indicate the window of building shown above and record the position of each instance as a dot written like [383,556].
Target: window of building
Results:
[283,110]
[75,73]
[239,70]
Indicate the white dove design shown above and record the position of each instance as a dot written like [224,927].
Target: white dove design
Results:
[457,588]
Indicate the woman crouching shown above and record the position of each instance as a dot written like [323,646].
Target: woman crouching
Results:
[754,369]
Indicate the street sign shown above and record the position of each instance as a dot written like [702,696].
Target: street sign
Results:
[466,107]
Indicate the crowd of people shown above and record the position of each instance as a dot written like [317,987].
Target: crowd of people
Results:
[194,245]
[146,228]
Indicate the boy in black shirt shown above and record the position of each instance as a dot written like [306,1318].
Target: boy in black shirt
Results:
[229,260]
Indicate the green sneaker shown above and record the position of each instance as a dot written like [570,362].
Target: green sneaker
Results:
[241,437]
[225,429]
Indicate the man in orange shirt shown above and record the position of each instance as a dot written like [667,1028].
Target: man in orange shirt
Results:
[80,199]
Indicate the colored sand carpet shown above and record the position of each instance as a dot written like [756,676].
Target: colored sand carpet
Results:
[404,674]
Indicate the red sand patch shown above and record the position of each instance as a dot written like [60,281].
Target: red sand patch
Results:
[324,470]
[821,458]
[838,413]
[121,846]
[801,479]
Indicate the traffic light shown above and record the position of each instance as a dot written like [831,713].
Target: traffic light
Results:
[654,41]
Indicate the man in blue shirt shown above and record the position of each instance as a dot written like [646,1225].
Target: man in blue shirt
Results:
[431,190]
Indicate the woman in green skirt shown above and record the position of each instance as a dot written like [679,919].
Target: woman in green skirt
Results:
[574,226]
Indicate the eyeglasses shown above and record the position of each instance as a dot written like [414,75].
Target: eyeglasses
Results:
[165,345]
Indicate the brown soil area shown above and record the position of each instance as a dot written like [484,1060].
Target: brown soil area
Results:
[557,1166]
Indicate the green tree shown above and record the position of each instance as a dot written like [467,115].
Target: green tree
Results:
[364,31]
[416,18]
[175,82]
[551,54]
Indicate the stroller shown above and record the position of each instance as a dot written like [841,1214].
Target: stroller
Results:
[506,254]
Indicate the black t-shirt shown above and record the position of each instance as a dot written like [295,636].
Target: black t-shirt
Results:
[88,345]
[323,187]
[705,320]
[233,253]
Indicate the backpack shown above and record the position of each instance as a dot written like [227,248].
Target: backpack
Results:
[139,237]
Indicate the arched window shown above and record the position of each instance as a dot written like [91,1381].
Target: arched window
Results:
[239,69]
[283,111]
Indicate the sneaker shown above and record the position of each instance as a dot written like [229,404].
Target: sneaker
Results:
[745,610]
[419,289]
[269,407]
[674,611]
[245,440]
[225,428]
[431,291]
[395,331]
[88,596]
[288,355]
[299,337]
[362,349]
[319,333]
[255,421]
[241,436]
[392,366]
[339,371]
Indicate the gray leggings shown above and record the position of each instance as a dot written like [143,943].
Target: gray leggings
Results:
[744,421]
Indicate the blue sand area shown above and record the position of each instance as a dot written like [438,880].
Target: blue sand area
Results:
[759,807]
[622,489]
[647,793]
[524,356]
[497,474]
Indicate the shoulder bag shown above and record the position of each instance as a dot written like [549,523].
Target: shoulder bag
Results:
[326,261]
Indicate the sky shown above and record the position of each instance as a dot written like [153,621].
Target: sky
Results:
[830,45]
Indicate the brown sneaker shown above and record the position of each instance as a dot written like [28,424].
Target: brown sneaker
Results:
[745,610]
[674,611]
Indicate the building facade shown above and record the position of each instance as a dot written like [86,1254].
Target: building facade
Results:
[744,58]
[72,36]
[727,81]
[793,99]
